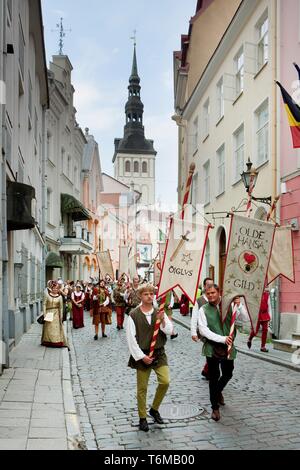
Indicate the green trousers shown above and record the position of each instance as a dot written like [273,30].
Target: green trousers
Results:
[163,378]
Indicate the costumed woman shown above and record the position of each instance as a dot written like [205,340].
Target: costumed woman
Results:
[53,335]
[77,306]
[103,315]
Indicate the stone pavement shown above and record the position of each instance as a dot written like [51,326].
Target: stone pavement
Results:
[37,410]
[261,409]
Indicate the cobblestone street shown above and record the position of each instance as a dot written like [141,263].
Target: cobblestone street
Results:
[260,412]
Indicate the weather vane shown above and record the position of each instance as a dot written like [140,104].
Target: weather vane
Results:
[134,37]
[62,35]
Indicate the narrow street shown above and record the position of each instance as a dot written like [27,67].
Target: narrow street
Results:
[260,411]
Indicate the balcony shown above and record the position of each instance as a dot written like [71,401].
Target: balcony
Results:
[78,243]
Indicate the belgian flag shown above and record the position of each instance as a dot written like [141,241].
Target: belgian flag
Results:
[293,113]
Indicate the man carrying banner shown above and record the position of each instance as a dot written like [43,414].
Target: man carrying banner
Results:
[217,337]
[139,332]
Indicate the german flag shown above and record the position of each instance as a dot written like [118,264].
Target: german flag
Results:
[293,113]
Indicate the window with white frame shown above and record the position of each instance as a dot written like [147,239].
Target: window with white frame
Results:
[262,133]
[221,169]
[206,173]
[29,96]
[195,135]
[49,205]
[76,178]
[238,159]
[195,189]
[239,71]
[63,159]
[220,99]
[262,28]
[69,167]
[127,166]
[206,119]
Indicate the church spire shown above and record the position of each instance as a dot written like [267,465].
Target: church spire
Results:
[134,72]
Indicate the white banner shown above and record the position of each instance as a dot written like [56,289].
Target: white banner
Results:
[132,266]
[105,264]
[282,259]
[183,258]
[247,261]
[123,260]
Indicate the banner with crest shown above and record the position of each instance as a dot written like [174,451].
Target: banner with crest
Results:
[247,261]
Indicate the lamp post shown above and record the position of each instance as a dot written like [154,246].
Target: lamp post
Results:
[249,177]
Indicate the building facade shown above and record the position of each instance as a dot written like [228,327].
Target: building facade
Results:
[67,235]
[134,157]
[23,106]
[230,115]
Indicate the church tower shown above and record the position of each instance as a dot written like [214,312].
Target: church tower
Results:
[134,157]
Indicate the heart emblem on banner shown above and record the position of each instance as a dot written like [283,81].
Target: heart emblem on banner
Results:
[249,258]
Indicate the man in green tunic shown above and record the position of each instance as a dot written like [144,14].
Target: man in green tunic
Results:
[139,333]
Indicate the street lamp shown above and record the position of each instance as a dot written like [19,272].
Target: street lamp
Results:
[250,177]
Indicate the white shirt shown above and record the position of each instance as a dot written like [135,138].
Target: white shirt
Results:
[201,321]
[133,346]
[194,318]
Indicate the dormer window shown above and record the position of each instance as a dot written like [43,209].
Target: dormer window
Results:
[145,167]
[136,167]
[127,167]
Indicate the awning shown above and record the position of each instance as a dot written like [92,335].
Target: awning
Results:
[53,260]
[70,205]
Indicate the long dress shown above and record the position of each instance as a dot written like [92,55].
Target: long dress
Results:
[77,311]
[53,335]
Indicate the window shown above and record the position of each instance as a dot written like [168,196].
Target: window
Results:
[206,171]
[239,72]
[220,99]
[9,9]
[8,133]
[76,178]
[195,190]
[29,97]
[206,119]
[127,167]
[63,153]
[21,49]
[195,135]
[263,41]
[35,125]
[262,133]
[145,167]
[136,167]
[49,205]
[221,169]
[238,159]
[69,168]
[49,146]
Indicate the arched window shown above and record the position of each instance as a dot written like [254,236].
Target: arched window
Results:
[136,167]
[127,167]
[145,167]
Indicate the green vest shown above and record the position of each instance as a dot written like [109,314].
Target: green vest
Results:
[214,323]
[144,335]
[168,300]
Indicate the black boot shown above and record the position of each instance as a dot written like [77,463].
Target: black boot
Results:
[143,425]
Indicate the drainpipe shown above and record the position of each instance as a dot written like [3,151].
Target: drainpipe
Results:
[4,249]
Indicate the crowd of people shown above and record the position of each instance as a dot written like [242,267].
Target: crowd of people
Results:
[147,319]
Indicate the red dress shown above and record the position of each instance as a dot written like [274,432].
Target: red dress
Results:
[78,311]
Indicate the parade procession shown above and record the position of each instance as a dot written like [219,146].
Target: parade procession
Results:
[150,287]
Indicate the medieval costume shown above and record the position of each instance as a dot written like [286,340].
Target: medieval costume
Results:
[102,314]
[120,304]
[53,335]
[77,307]
[264,316]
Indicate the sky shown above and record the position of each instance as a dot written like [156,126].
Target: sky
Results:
[101,51]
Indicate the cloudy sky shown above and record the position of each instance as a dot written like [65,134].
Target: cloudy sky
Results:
[100,49]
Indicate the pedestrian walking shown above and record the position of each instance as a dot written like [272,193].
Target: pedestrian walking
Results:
[77,306]
[139,333]
[53,335]
[217,339]
[102,314]
[120,303]
[202,300]
[264,317]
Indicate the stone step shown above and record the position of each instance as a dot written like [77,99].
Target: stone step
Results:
[286,345]
[295,336]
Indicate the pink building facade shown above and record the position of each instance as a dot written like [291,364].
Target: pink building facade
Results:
[289,52]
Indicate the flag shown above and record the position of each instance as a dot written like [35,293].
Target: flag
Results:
[293,113]
[298,70]
[282,259]
[105,264]
[247,261]
[162,236]
[183,258]
[123,260]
